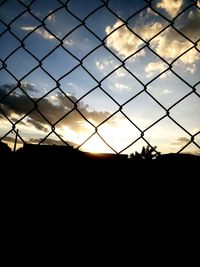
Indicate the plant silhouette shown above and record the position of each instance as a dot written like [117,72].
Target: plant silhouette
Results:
[147,153]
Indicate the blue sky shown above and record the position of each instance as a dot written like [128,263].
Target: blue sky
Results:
[100,60]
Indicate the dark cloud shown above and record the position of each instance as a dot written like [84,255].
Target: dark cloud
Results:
[50,141]
[36,124]
[191,27]
[16,103]
[6,88]
[181,141]
[51,107]
[9,139]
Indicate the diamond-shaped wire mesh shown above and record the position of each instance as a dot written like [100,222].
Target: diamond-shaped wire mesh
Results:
[39,107]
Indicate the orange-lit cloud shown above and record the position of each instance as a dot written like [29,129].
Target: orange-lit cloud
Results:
[172,7]
[122,40]
[155,68]
[125,42]
[169,44]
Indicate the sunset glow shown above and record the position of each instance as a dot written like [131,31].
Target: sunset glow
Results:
[103,76]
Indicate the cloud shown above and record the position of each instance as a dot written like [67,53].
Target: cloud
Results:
[10,139]
[51,18]
[121,72]
[196,152]
[181,141]
[121,86]
[45,34]
[20,104]
[99,65]
[191,25]
[148,30]
[28,86]
[166,91]
[69,42]
[6,88]
[41,31]
[151,12]
[155,68]
[192,69]
[50,141]
[73,85]
[122,40]
[104,63]
[38,125]
[172,7]
[169,44]
[196,130]
[126,42]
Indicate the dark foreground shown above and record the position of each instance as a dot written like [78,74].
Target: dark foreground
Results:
[69,161]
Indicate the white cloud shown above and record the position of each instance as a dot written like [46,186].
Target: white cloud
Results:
[191,69]
[120,72]
[126,42]
[51,17]
[104,63]
[41,31]
[73,85]
[45,34]
[170,45]
[99,65]
[155,68]
[28,28]
[166,91]
[122,40]
[121,86]
[151,12]
[147,31]
[172,7]
[69,42]
[26,85]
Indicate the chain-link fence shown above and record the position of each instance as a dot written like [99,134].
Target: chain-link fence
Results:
[127,39]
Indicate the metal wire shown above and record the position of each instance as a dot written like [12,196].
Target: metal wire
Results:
[64,6]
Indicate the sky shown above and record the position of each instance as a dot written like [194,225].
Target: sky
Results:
[105,76]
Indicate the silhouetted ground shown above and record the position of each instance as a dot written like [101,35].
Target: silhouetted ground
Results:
[66,157]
